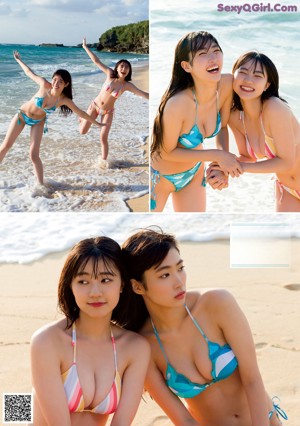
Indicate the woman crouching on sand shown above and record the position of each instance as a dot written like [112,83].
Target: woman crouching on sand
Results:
[117,82]
[202,347]
[35,112]
[84,367]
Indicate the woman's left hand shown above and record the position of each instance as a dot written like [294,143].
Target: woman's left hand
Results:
[216,178]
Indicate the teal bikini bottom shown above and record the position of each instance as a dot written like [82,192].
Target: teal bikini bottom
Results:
[31,121]
[179,180]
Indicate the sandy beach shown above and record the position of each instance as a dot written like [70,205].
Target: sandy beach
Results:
[268,297]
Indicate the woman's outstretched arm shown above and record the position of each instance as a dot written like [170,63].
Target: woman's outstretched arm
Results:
[135,90]
[69,103]
[28,71]
[95,59]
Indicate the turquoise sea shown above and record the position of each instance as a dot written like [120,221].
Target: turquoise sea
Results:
[71,160]
[276,34]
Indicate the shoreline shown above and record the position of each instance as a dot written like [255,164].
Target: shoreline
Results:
[267,298]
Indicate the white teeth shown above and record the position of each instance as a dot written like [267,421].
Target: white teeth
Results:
[247,89]
[214,68]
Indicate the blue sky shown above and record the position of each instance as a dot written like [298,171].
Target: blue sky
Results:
[65,21]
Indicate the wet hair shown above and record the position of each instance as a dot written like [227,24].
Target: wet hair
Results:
[143,250]
[185,50]
[68,90]
[92,249]
[121,61]
[267,66]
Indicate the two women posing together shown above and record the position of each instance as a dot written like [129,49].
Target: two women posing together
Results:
[200,103]
[130,324]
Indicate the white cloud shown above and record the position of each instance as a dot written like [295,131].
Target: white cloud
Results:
[4,9]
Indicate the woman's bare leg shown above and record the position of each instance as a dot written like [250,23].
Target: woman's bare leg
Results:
[85,125]
[13,132]
[36,135]
[104,131]
[192,198]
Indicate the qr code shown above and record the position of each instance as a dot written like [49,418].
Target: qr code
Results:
[17,408]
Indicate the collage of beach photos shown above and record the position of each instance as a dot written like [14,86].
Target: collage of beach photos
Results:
[149,213]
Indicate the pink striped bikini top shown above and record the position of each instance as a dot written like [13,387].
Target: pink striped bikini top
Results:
[270,151]
[73,388]
[113,92]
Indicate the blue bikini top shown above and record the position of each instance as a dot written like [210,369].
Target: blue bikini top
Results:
[194,138]
[39,103]
[223,360]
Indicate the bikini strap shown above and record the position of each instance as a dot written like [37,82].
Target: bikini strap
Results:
[262,124]
[159,341]
[114,348]
[196,102]
[218,101]
[195,322]
[74,342]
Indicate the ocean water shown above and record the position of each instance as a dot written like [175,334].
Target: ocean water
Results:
[28,237]
[275,34]
[71,168]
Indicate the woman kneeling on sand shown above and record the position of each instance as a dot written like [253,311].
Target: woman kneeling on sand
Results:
[84,367]
[202,347]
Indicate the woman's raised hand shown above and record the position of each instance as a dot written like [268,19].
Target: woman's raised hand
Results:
[16,55]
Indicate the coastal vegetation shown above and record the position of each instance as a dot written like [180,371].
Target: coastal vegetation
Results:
[126,38]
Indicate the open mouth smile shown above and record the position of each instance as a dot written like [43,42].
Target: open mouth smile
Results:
[247,89]
[213,69]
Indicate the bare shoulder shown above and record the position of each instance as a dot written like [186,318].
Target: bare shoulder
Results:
[179,102]
[49,334]
[214,300]
[274,106]
[193,298]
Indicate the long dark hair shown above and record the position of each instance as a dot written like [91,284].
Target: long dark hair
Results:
[115,72]
[266,65]
[141,251]
[95,249]
[68,90]
[186,50]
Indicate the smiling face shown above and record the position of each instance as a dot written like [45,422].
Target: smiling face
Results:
[123,70]
[206,64]
[250,80]
[165,284]
[96,288]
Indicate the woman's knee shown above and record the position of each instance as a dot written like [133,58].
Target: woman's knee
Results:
[34,156]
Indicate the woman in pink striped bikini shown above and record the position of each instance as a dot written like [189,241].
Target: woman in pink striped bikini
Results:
[84,366]
[117,82]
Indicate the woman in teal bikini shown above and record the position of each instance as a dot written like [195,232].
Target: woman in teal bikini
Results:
[84,366]
[195,106]
[34,113]
[201,346]
[117,82]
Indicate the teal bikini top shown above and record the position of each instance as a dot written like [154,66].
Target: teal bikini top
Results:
[194,138]
[39,103]
[223,360]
